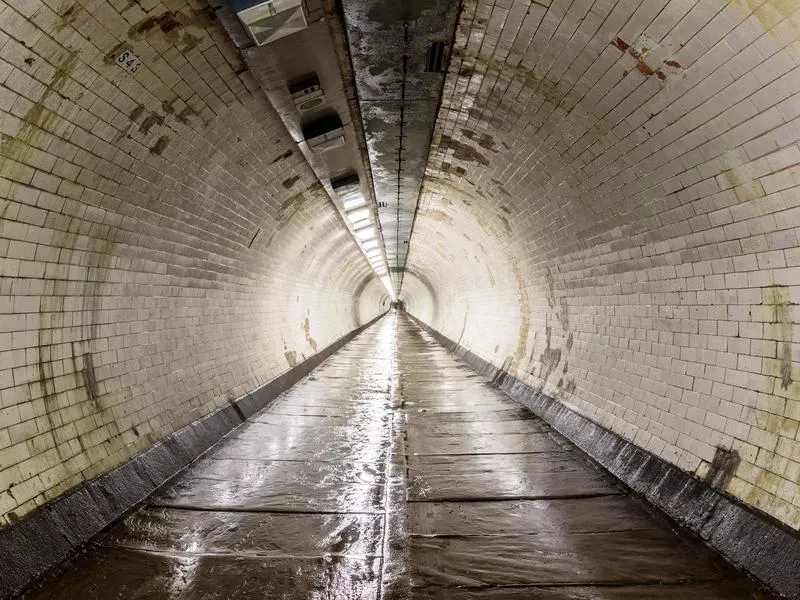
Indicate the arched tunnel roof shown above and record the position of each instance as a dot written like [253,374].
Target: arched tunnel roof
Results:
[608,210]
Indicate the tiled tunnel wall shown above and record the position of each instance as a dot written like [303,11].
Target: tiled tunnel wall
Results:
[164,247]
[611,212]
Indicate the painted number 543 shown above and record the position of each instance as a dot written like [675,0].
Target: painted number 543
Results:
[128,61]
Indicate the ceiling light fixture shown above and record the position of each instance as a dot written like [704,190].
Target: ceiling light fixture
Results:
[354,202]
[365,234]
[358,215]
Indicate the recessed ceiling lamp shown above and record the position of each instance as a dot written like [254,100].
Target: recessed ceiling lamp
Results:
[358,215]
[365,234]
[369,244]
[353,201]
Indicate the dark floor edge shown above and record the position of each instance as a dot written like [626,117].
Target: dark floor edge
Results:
[752,541]
[49,534]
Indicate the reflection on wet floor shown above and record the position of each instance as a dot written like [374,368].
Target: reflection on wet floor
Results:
[394,472]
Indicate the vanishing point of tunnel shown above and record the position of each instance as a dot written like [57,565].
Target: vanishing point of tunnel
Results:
[399,299]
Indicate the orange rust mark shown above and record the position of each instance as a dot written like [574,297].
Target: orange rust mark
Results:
[642,66]
[620,45]
[672,63]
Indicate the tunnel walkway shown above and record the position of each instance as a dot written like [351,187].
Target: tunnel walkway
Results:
[394,471]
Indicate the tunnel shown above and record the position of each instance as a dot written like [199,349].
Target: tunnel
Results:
[394,299]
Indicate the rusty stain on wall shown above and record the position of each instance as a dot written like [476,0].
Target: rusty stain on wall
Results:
[640,55]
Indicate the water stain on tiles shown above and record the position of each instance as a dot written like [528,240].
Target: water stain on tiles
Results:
[778,297]
[462,151]
[723,468]
[160,145]
[287,183]
[484,140]
[281,157]
[307,331]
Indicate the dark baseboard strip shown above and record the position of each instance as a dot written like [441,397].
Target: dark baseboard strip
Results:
[752,541]
[48,535]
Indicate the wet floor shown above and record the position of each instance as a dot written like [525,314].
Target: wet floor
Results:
[394,472]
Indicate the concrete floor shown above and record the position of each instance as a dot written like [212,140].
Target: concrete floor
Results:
[394,471]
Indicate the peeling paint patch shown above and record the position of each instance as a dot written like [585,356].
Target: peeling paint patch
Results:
[291,357]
